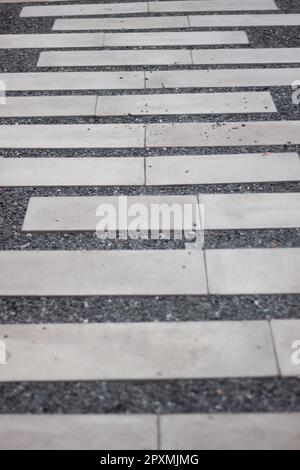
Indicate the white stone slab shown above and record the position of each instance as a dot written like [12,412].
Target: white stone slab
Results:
[286,334]
[81,9]
[78,432]
[72,136]
[23,41]
[250,211]
[205,21]
[222,169]
[71,105]
[212,5]
[138,351]
[175,38]
[184,103]
[72,80]
[116,57]
[254,271]
[72,171]
[223,134]
[120,272]
[266,431]
[221,78]
[151,22]
[247,56]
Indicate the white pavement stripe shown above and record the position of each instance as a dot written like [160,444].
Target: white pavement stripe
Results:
[116,57]
[81,273]
[222,169]
[205,21]
[33,41]
[138,351]
[73,80]
[286,335]
[193,103]
[253,271]
[223,134]
[81,9]
[251,431]
[212,5]
[72,136]
[247,56]
[250,211]
[78,432]
[72,171]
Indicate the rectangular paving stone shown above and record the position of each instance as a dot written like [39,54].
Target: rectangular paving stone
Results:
[175,38]
[71,105]
[247,56]
[81,9]
[212,5]
[116,57]
[286,334]
[72,136]
[71,171]
[223,134]
[23,41]
[85,273]
[183,103]
[253,271]
[78,432]
[151,22]
[250,211]
[221,78]
[73,80]
[252,431]
[204,21]
[222,169]
[138,351]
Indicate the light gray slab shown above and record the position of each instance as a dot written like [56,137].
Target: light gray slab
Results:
[81,9]
[175,38]
[212,5]
[250,211]
[150,22]
[120,272]
[221,78]
[183,103]
[286,334]
[266,431]
[71,105]
[82,213]
[72,80]
[23,41]
[138,351]
[72,136]
[78,432]
[204,21]
[254,271]
[221,169]
[116,57]
[121,171]
[223,134]
[247,56]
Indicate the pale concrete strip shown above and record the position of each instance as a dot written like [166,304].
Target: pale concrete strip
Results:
[71,172]
[205,21]
[71,105]
[286,334]
[78,432]
[193,103]
[223,134]
[116,57]
[222,169]
[83,213]
[253,271]
[89,9]
[250,211]
[212,5]
[247,56]
[251,431]
[72,80]
[81,273]
[72,136]
[151,22]
[221,78]
[138,351]
[175,38]
[33,41]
